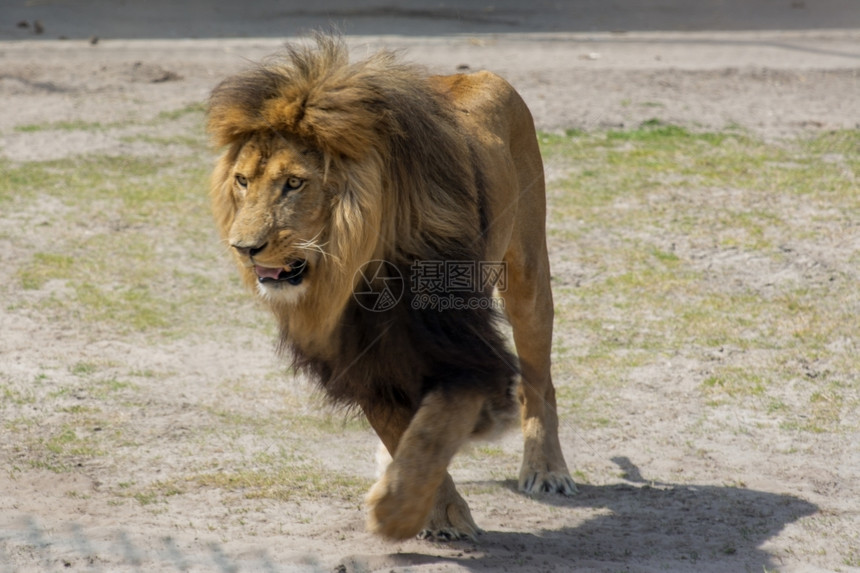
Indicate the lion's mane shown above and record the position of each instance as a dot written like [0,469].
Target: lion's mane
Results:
[405,186]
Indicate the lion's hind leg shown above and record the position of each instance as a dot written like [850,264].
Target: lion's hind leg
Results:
[450,518]
[401,504]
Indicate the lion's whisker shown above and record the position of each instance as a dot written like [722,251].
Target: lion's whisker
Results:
[314,245]
[225,245]
[318,248]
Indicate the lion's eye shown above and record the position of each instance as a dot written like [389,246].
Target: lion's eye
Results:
[292,184]
[242,180]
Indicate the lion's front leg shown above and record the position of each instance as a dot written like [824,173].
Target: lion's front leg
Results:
[401,502]
[450,519]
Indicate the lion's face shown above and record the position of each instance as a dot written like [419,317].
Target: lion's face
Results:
[277,184]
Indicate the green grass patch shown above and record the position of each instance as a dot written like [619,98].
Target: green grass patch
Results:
[140,186]
[269,477]
[132,243]
[44,267]
[164,117]
[163,141]
[190,109]
[60,126]
[286,482]
[734,381]
[62,449]
[690,244]
[657,134]
[103,388]
[15,396]
[83,368]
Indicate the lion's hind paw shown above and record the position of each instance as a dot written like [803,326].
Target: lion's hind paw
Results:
[450,519]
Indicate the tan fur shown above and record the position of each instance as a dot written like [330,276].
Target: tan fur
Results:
[316,117]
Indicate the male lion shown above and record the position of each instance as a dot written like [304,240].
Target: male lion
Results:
[330,165]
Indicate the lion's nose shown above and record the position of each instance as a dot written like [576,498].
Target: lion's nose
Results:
[248,250]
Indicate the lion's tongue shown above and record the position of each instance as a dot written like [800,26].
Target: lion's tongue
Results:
[267,273]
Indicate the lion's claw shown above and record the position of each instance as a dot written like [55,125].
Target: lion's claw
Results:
[448,534]
[450,519]
[548,482]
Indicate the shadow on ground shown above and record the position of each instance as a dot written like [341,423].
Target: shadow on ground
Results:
[646,524]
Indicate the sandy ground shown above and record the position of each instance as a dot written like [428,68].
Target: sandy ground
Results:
[652,505]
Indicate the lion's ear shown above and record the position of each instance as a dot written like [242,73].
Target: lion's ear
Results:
[228,124]
[234,106]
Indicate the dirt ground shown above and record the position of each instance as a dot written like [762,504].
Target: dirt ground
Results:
[757,499]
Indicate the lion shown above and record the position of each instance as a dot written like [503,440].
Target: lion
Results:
[329,165]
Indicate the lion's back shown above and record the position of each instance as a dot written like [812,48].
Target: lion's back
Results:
[500,126]
[489,101]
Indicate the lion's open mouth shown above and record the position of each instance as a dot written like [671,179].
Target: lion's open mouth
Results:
[291,274]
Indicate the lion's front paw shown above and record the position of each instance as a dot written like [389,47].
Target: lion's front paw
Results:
[395,512]
[535,481]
